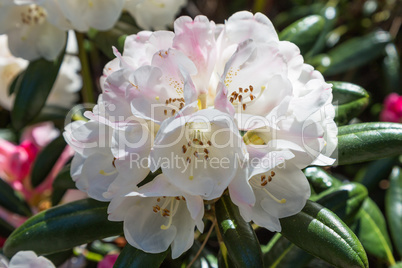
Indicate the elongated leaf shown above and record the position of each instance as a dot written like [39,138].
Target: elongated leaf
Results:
[393,205]
[375,172]
[63,227]
[34,88]
[5,228]
[281,253]
[391,69]
[320,180]
[132,257]
[320,232]
[61,184]
[7,134]
[397,265]
[51,113]
[11,201]
[349,100]
[303,32]
[234,229]
[345,201]
[330,14]
[372,231]
[224,260]
[355,52]
[368,141]
[46,160]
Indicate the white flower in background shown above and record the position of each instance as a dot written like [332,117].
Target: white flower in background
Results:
[27,259]
[154,14]
[159,215]
[30,34]
[64,91]
[97,14]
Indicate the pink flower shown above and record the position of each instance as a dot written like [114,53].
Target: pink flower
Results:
[392,111]
[108,261]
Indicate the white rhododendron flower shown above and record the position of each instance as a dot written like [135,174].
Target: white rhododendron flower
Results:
[154,14]
[27,259]
[64,91]
[222,107]
[30,33]
[168,217]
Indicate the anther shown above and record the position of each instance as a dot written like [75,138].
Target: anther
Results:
[264,183]
[209,143]
[240,98]
[251,88]
[272,173]
[206,151]
[240,90]
[244,106]
[262,177]
[184,149]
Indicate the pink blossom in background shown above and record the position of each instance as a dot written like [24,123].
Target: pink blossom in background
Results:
[16,161]
[108,261]
[392,111]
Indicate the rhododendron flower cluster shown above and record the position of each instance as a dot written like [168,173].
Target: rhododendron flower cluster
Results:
[204,110]
[392,111]
[37,28]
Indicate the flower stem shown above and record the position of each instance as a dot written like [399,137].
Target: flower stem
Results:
[87,88]
[203,244]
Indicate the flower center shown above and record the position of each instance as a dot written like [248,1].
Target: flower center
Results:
[168,208]
[173,105]
[197,145]
[244,96]
[33,15]
[264,180]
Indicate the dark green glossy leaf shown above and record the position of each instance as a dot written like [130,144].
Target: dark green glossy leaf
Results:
[234,229]
[368,141]
[132,257]
[51,113]
[34,88]
[5,228]
[344,200]
[320,232]
[287,17]
[112,38]
[303,32]
[391,69]
[60,257]
[320,180]
[46,160]
[330,14]
[375,172]
[393,205]
[354,53]
[11,201]
[372,231]
[224,260]
[349,100]
[61,184]
[63,227]
[281,253]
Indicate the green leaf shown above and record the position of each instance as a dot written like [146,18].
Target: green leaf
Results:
[391,69]
[375,172]
[132,257]
[397,265]
[349,100]
[344,200]
[63,227]
[60,257]
[114,37]
[224,260]
[354,53]
[52,113]
[5,228]
[330,14]
[11,201]
[368,141]
[320,232]
[393,205]
[281,253]
[61,184]
[320,180]
[234,229]
[372,231]
[34,88]
[303,32]
[46,160]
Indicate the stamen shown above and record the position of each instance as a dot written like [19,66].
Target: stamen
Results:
[282,201]
[209,143]
[173,210]
[184,149]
